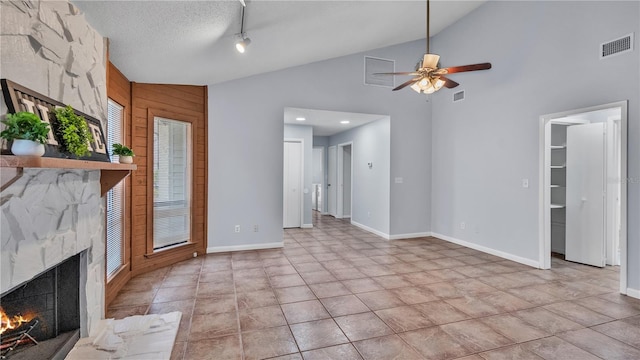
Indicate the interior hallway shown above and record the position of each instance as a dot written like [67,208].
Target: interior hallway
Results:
[337,292]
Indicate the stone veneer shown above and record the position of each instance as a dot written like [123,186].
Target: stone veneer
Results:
[50,215]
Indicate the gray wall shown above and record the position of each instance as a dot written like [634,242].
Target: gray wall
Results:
[305,133]
[371,187]
[545,60]
[245,142]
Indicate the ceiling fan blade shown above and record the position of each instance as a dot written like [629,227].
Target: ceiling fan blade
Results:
[398,73]
[430,61]
[407,83]
[465,68]
[448,83]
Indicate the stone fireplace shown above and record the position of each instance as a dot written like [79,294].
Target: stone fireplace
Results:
[53,218]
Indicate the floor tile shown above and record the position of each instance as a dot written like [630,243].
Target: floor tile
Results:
[329,289]
[510,353]
[404,318]
[386,347]
[513,328]
[133,298]
[553,348]
[281,281]
[622,331]
[256,299]
[546,320]
[475,336]
[435,344]
[184,306]
[413,295]
[294,294]
[600,345]
[318,277]
[342,352]
[221,348]
[577,313]
[473,306]
[344,305]
[361,285]
[123,312]
[377,300]
[267,343]
[304,311]
[363,326]
[608,308]
[317,334]
[439,312]
[211,326]
[261,318]
[215,305]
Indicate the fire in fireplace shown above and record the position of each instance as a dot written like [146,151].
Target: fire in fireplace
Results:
[41,316]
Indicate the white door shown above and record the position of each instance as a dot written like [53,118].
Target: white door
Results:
[585,240]
[292,184]
[331,185]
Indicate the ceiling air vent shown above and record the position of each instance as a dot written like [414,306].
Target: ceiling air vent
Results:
[375,65]
[617,46]
[458,96]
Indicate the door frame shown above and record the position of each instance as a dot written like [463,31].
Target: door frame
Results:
[323,161]
[340,179]
[301,178]
[544,223]
[332,200]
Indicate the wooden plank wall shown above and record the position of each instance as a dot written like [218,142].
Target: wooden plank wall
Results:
[119,90]
[179,102]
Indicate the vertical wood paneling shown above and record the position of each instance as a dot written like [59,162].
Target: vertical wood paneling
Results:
[180,102]
[119,90]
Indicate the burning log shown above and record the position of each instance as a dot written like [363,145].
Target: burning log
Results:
[9,344]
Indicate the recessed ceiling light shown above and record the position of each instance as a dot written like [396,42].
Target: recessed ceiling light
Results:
[300,119]
[344,122]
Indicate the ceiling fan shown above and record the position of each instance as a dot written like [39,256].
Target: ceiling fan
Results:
[428,78]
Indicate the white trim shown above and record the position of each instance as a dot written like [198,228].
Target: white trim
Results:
[302,172]
[307,226]
[340,179]
[219,249]
[371,230]
[544,230]
[487,250]
[409,236]
[634,293]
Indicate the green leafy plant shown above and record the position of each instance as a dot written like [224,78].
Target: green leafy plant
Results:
[73,131]
[25,126]
[121,150]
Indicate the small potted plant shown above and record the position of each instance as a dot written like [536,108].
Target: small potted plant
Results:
[28,132]
[125,154]
[72,131]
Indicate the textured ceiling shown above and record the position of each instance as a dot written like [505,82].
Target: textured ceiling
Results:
[192,42]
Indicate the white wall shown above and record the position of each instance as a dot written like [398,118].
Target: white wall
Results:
[323,142]
[346,181]
[370,204]
[245,142]
[305,133]
[545,60]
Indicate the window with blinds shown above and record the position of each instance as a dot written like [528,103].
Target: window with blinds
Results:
[171,182]
[115,197]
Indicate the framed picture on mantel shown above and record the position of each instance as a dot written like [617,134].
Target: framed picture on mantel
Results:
[19,98]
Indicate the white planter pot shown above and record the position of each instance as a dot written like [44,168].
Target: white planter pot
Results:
[126,159]
[22,147]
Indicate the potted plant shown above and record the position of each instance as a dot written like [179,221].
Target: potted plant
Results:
[28,132]
[72,131]
[125,154]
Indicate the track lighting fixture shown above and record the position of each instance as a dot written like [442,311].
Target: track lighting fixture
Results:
[243,41]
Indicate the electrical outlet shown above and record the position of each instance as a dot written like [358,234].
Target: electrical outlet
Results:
[255,228]
[237,228]
[463,225]
[525,183]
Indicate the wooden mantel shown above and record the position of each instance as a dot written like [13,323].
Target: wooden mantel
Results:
[110,173]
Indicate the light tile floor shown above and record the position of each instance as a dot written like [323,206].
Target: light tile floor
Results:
[337,292]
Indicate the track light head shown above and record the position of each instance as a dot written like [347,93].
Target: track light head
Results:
[242,43]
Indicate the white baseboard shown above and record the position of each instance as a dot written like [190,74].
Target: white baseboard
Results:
[634,293]
[487,250]
[371,230]
[307,226]
[219,249]
[409,236]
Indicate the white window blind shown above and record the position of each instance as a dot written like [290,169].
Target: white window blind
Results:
[171,182]
[115,196]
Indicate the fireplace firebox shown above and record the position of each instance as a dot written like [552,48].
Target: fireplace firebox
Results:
[46,308]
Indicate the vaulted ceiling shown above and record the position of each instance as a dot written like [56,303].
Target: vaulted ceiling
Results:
[192,42]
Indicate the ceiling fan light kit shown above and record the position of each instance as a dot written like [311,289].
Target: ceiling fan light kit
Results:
[428,78]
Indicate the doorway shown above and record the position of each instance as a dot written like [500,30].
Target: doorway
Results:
[318,179]
[582,192]
[292,183]
[345,180]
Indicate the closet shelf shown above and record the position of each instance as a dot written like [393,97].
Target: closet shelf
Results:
[558,147]
[558,166]
[556,186]
[557,206]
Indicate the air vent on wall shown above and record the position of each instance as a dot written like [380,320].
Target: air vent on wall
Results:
[375,65]
[617,46]
[458,96]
